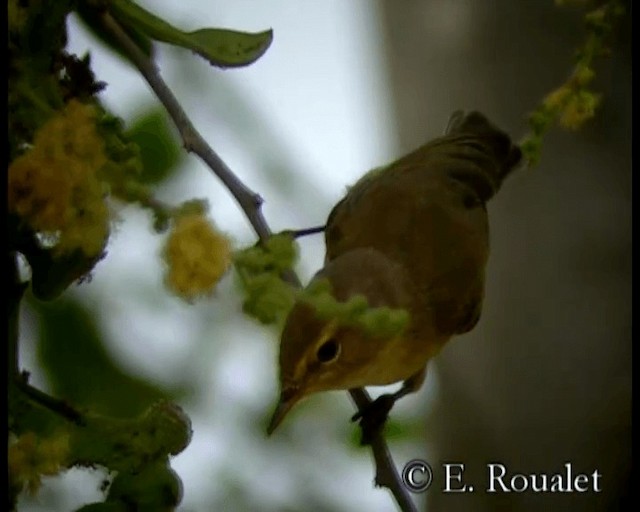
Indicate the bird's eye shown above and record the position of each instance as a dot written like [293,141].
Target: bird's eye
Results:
[328,351]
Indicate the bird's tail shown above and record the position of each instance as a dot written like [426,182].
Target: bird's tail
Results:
[473,137]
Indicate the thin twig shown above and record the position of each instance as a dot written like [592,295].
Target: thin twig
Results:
[56,405]
[250,203]
[386,472]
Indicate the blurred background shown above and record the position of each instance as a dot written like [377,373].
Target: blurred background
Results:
[545,377]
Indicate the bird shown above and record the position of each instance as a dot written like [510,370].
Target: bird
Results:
[412,235]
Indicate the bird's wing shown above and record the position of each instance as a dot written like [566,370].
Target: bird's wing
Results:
[431,224]
[427,212]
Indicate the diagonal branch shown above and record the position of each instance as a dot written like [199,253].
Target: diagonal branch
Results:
[386,472]
[250,203]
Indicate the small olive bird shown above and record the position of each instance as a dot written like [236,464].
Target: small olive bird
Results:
[412,235]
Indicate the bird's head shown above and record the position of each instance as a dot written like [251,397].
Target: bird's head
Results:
[320,353]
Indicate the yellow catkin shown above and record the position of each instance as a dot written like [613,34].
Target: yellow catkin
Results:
[197,256]
[579,109]
[54,186]
[556,99]
[30,458]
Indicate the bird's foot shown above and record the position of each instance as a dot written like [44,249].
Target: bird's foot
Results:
[373,417]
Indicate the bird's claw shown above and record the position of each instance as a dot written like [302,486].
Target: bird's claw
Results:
[373,417]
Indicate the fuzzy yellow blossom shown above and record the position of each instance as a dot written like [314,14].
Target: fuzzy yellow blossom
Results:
[580,107]
[556,99]
[31,457]
[197,256]
[54,186]
[583,75]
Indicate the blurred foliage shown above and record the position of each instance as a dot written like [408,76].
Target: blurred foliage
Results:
[156,488]
[71,350]
[68,158]
[60,144]
[573,103]
[159,150]
[129,446]
[260,269]
[269,297]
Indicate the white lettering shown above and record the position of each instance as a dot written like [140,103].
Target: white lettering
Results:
[493,477]
[449,476]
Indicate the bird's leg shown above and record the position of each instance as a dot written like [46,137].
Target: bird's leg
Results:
[298,233]
[373,417]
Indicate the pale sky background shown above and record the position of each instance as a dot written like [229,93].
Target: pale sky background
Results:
[320,93]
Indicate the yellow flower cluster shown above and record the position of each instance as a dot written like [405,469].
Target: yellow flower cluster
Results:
[54,186]
[580,108]
[197,256]
[572,101]
[31,457]
[267,297]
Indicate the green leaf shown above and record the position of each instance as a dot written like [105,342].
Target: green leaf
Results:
[72,352]
[159,151]
[229,48]
[156,487]
[221,47]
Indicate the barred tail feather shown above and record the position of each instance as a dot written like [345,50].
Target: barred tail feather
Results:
[473,132]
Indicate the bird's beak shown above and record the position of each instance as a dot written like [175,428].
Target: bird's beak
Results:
[288,398]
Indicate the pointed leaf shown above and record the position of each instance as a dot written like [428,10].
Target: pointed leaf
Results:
[79,367]
[221,47]
[229,48]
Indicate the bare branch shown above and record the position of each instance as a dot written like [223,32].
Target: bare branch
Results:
[386,473]
[56,405]
[250,203]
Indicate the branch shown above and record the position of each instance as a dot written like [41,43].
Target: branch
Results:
[250,203]
[386,473]
[55,405]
